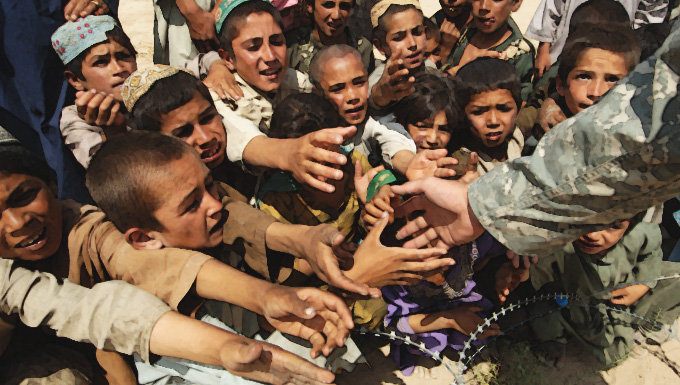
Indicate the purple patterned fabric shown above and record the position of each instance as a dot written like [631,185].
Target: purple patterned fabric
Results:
[427,298]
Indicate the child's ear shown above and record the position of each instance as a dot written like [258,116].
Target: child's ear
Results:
[378,44]
[74,81]
[143,240]
[515,7]
[228,60]
[561,86]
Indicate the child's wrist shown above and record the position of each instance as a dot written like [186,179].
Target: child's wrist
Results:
[379,180]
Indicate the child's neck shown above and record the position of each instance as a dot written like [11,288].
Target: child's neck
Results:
[342,38]
[499,153]
[486,41]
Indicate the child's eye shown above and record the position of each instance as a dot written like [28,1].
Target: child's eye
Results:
[359,82]
[328,4]
[399,36]
[504,108]
[583,76]
[207,118]
[100,63]
[336,88]
[612,78]
[346,6]
[25,197]
[419,30]
[184,132]
[277,40]
[477,112]
[195,204]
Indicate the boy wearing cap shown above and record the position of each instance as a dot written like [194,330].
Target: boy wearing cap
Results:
[330,18]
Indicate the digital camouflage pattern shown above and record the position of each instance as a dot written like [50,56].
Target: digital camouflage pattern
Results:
[603,165]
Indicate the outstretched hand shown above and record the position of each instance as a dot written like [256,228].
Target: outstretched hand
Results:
[222,81]
[377,265]
[99,109]
[361,180]
[507,278]
[76,9]
[431,163]
[395,83]
[447,217]
[315,315]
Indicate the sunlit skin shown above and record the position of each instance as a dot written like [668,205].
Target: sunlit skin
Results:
[596,71]
[259,52]
[491,16]
[599,242]
[105,68]
[431,134]
[453,8]
[330,20]
[331,202]
[492,116]
[190,211]
[198,124]
[406,37]
[345,83]
[30,218]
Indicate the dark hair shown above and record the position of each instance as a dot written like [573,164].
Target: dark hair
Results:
[116,34]
[599,12]
[300,114]
[431,30]
[163,96]
[237,18]
[486,74]
[433,93]
[607,37]
[333,51]
[123,171]
[380,31]
[17,159]
[651,37]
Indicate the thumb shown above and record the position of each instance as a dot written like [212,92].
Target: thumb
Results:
[410,188]
[376,231]
[300,308]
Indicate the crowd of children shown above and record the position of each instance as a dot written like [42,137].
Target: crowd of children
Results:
[245,180]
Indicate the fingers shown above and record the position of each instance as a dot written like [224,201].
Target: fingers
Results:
[428,265]
[302,371]
[79,8]
[618,300]
[311,181]
[332,135]
[410,188]
[322,155]
[336,278]
[425,239]
[374,235]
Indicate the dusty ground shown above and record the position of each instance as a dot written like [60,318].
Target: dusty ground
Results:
[517,364]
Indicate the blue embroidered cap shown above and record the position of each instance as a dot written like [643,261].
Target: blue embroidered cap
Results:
[225,9]
[74,37]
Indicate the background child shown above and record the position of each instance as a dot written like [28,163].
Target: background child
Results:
[494,33]
[488,92]
[432,44]
[590,268]
[99,57]
[451,20]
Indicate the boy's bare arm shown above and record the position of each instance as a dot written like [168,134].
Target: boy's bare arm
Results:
[304,157]
[462,318]
[175,335]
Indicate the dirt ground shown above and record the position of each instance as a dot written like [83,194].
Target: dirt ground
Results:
[508,362]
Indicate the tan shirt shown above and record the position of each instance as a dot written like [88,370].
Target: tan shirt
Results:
[111,316]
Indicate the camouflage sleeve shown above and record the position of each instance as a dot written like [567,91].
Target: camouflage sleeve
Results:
[607,163]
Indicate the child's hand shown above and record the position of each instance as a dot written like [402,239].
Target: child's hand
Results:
[222,81]
[99,109]
[377,265]
[628,295]
[267,363]
[543,62]
[487,53]
[465,320]
[450,35]
[378,205]
[395,82]
[308,313]
[508,278]
[361,180]
[471,172]
[201,25]
[516,259]
[430,163]
[550,115]
[76,9]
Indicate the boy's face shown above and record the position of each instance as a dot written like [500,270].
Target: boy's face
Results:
[453,7]
[345,83]
[405,37]
[30,218]
[190,212]
[105,68]
[260,52]
[492,116]
[331,16]
[199,125]
[433,52]
[596,71]
[599,242]
[429,134]
[491,15]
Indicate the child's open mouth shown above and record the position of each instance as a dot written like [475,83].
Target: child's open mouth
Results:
[271,73]
[415,57]
[587,246]
[494,136]
[212,154]
[487,20]
[355,113]
[34,242]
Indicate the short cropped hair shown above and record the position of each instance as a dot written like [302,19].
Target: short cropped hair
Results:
[334,51]
[431,30]
[165,95]
[486,74]
[17,159]
[599,12]
[116,34]
[380,31]
[433,93]
[122,173]
[651,37]
[237,18]
[607,37]
[300,114]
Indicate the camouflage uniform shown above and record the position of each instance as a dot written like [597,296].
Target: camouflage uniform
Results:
[581,179]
